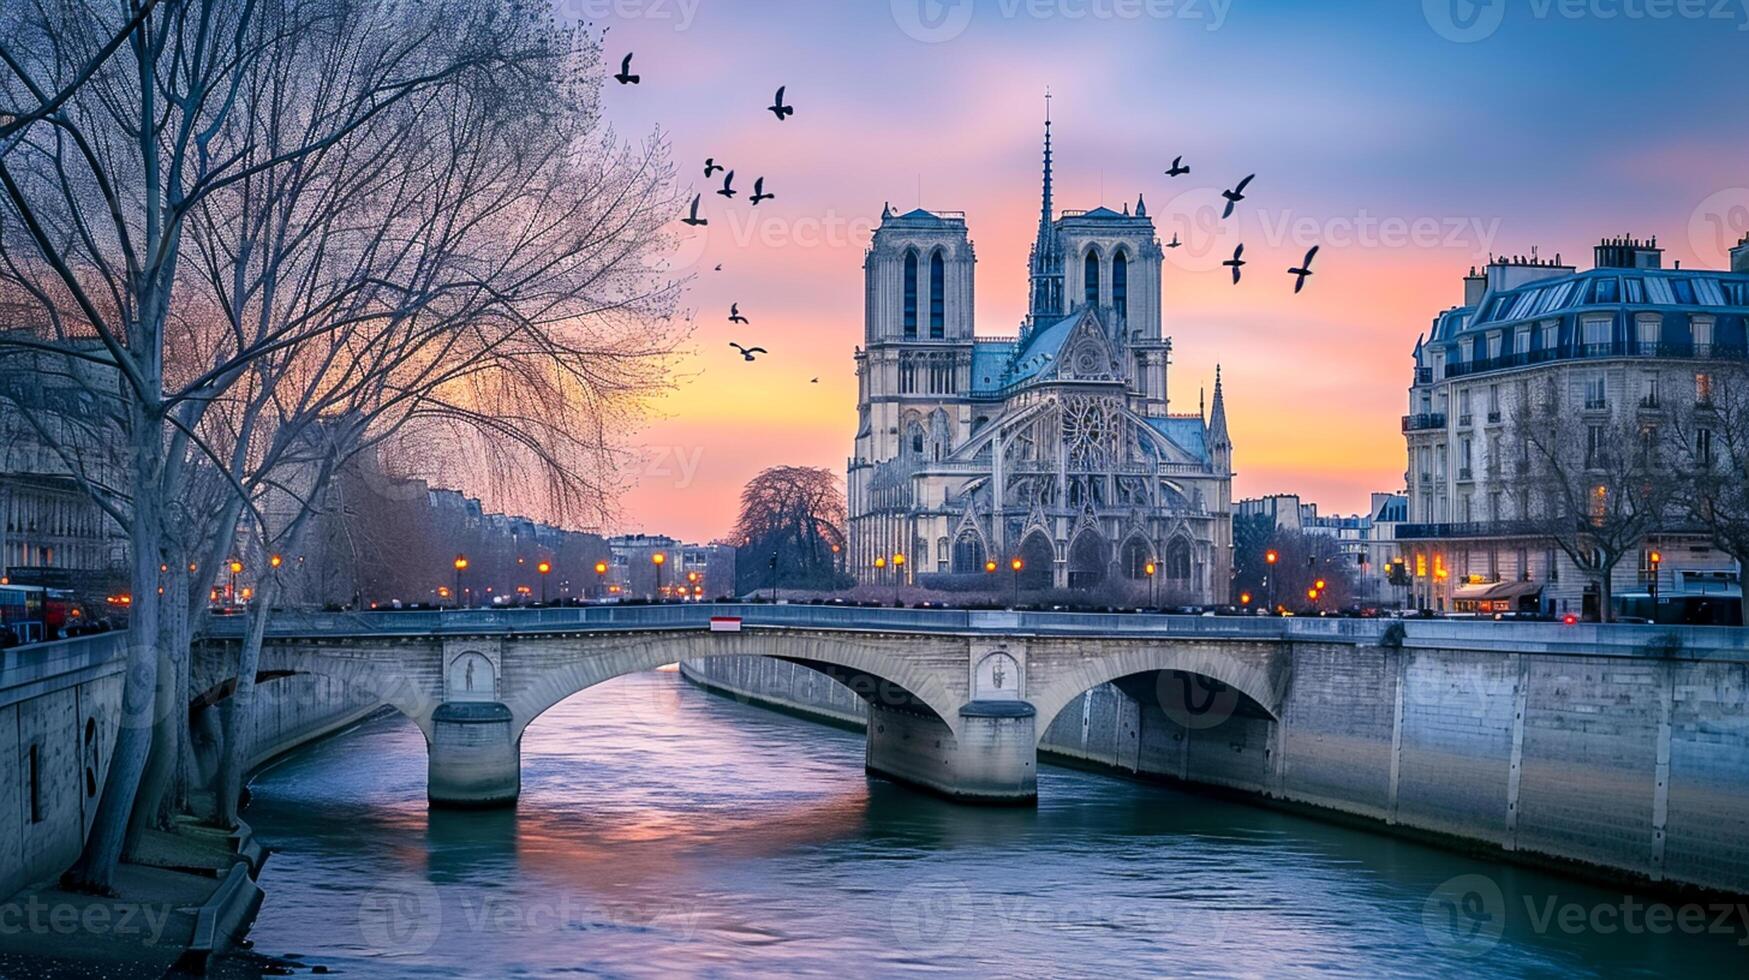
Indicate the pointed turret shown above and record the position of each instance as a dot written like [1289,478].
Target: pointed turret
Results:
[1218,437]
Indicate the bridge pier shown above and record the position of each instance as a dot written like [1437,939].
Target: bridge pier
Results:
[994,759]
[474,758]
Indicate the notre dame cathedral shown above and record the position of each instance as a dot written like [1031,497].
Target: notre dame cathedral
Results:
[1056,446]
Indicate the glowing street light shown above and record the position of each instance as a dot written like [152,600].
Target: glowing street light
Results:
[1153,590]
[545,568]
[461,565]
[1270,557]
[1014,566]
[659,559]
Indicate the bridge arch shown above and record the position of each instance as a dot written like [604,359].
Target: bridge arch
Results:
[571,664]
[1229,683]
[395,681]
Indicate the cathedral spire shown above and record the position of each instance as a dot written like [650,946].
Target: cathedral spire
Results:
[1044,221]
[1218,415]
[1047,259]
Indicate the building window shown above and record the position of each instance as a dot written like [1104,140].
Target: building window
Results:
[910,294]
[1596,446]
[1090,274]
[1521,341]
[1703,335]
[1596,392]
[1120,286]
[937,297]
[1648,330]
[1703,447]
[1703,389]
[1551,336]
[1596,335]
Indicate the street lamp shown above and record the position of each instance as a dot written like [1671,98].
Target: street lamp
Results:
[692,579]
[461,565]
[545,568]
[1153,591]
[1656,559]
[898,575]
[600,579]
[658,559]
[1270,557]
[1015,566]
[235,567]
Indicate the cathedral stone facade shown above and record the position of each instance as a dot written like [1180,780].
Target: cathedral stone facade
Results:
[1056,446]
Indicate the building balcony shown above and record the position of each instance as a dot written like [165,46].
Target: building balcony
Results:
[1575,352]
[1494,418]
[1464,420]
[1466,529]
[1423,421]
[1424,376]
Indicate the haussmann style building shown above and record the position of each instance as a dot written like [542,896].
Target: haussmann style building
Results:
[1627,337]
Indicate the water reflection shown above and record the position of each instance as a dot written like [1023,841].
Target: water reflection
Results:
[665,831]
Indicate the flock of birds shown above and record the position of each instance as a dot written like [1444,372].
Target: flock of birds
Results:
[1233,197]
[783,111]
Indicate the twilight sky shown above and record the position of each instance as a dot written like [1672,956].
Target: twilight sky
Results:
[1410,139]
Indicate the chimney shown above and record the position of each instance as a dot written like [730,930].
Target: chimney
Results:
[1475,286]
[1628,252]
[1740,256]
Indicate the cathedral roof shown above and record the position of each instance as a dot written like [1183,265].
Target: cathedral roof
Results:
[1042,349]
[990,360]
[1187,433]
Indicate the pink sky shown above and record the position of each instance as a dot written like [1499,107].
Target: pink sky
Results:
[1363,140]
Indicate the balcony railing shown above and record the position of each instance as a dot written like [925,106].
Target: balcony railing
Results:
[1465,529]
[1464,421]
[1697,352]
[1424,376]
[1423,421]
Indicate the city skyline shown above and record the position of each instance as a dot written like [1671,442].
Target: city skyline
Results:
[1403,181]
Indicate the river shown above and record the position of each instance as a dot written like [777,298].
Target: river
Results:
[665,831]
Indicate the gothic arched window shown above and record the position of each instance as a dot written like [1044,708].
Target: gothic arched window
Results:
[937,297]
[910,294]
[1091,276]
[1120,286]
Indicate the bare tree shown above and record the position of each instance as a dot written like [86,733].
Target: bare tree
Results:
[794,515]
[1593,480]
[1712,438]
[379,219]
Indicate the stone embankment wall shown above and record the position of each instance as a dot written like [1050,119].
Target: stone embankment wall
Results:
[1636,766]
[59,705]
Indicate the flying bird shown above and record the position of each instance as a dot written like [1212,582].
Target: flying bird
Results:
[1235,195]
[728,185]
[735,314]
[778,109]
[719,267]
[625,76]
[1304,270]
[1178,168]
[759,192]
[693,219]
[1174,243]
[748,352]
[815,381]
[711,168]
[1236,263]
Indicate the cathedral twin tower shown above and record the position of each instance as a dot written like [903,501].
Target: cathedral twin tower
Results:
[1055,446]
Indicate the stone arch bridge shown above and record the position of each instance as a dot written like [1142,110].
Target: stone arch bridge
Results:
[957,700]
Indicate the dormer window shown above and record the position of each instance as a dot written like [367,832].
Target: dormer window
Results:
[1702,329]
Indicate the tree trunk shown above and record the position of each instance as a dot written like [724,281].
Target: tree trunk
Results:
[156,802]
[95,870]
[240,714]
